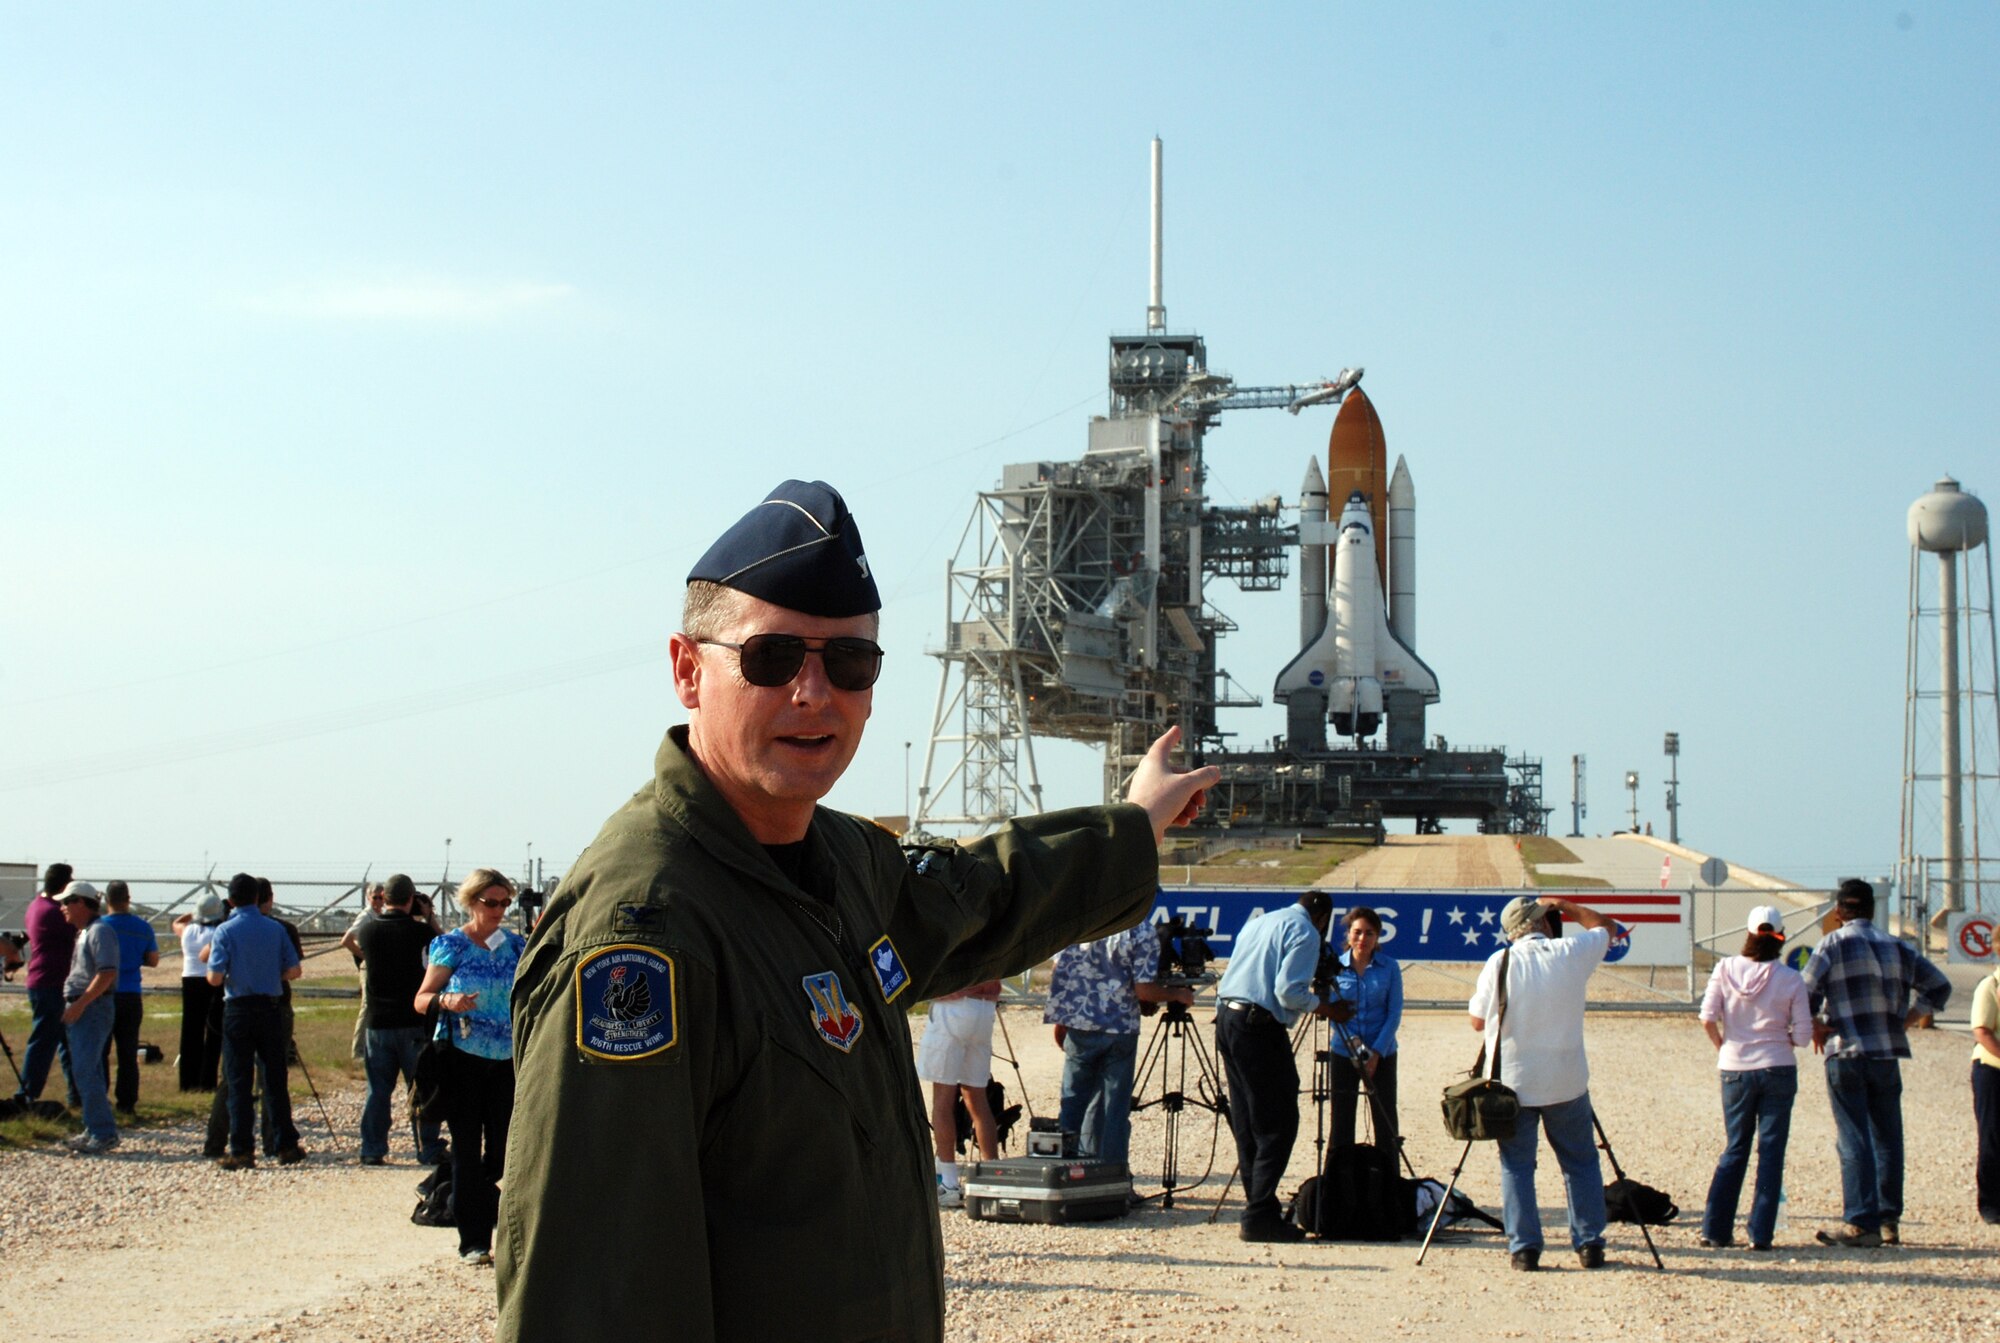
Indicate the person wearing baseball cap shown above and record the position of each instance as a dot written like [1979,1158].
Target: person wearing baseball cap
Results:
[89,1012]
[712,1061]
[1755,1013]
[1538,1038]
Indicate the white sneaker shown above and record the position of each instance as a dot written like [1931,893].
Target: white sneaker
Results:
[950,1195]
[476,1258]
[90,1146]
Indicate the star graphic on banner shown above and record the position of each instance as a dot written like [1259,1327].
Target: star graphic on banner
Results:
[1486,916]
[1499,938]
[1471,936]
[1455,915]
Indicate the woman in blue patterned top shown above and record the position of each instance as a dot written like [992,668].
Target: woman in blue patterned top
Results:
[1374,984]
[471,983]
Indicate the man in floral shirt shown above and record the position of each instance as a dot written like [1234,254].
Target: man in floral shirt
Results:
[1094,1000]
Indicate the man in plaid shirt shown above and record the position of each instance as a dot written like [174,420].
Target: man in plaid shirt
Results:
[1861,983]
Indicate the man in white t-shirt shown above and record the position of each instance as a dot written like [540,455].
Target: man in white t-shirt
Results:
[1539,1042]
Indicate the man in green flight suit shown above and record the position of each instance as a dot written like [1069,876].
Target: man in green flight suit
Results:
[717,1133]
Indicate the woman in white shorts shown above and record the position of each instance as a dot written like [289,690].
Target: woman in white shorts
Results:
[956,1055]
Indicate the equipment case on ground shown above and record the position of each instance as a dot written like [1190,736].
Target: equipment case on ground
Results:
[1046,1189]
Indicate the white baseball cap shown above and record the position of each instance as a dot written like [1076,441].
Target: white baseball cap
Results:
[1767,916]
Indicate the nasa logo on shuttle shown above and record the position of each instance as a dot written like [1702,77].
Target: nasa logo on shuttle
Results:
[1621,943]
[1317,677]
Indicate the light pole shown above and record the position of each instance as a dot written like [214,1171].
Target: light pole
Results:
[1674,788]
[908,820]
[1632,787]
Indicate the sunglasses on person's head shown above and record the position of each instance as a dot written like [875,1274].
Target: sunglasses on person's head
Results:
[775,659]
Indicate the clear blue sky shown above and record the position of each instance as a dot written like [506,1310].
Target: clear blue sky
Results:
[369,376]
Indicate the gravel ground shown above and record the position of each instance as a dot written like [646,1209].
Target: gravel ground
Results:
[151,1243]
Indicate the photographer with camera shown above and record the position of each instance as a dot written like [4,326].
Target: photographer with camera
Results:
[1095,994]
[1267,986]
[1365,1049]
[1539,1040]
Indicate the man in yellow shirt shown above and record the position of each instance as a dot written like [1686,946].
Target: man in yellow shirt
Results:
[1986,1092]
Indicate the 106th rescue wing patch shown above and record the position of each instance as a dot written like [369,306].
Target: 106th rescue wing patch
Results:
[626,1001]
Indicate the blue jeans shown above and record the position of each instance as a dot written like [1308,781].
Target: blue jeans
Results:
[1867,1096]
[1757,1102]
[47,1041]
[1570,1138]
[88,1035]
[391,1056]
[1097,1091]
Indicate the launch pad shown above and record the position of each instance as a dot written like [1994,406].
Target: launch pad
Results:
[1080,609]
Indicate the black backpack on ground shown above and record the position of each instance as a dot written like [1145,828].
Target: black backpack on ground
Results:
[1359,1196]
[1005,1116]
[1629,1201]
[434,1199]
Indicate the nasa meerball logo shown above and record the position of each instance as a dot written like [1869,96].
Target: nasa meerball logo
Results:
[625,1003]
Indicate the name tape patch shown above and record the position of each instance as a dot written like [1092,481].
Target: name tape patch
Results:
[625,1003]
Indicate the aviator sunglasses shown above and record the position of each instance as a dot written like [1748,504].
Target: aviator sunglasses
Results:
[775,659]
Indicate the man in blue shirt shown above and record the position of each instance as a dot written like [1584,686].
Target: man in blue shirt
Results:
[1094,997]
[1865,989]
[1266,987]
[250,960]
[138,948]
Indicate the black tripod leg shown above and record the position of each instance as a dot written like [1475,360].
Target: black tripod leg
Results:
[1616,1170]
[1027,1106]
[19,1081]
[1444,1201]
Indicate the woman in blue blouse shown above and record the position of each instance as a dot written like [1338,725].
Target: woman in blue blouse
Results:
[1374,984]
[471,983]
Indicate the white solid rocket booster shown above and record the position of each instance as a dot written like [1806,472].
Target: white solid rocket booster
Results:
[1402,556]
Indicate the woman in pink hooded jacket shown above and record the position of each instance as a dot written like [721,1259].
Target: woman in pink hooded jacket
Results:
[1755,1013]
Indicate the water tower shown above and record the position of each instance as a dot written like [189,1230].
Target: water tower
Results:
[1951,720]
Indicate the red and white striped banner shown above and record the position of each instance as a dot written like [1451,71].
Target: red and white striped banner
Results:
[1656,927]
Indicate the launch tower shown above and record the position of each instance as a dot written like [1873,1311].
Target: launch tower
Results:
[1079,608]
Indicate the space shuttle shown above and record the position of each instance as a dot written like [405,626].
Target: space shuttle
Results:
[1357,663]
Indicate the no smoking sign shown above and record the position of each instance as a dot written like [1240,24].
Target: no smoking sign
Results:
[1971,939]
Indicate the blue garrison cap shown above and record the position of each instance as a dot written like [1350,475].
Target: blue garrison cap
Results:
[799,549]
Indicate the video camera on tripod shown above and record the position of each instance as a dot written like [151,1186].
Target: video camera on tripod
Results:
[1184,954]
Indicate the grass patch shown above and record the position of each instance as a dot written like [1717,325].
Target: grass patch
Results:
[1538,849]
[1564,881]
[1267,867]
[322,1028]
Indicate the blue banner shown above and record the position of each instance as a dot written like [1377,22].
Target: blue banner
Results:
[1416,925]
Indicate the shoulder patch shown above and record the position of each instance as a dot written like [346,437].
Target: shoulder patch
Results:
[836,1020]
[888,968]
[626,1003]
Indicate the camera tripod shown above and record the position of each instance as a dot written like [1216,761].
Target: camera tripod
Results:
[1320,1033]
[1603,1141]
[1168,1051]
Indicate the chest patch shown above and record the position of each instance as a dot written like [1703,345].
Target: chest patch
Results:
[888,967]
[833,1016]
[625,1003]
